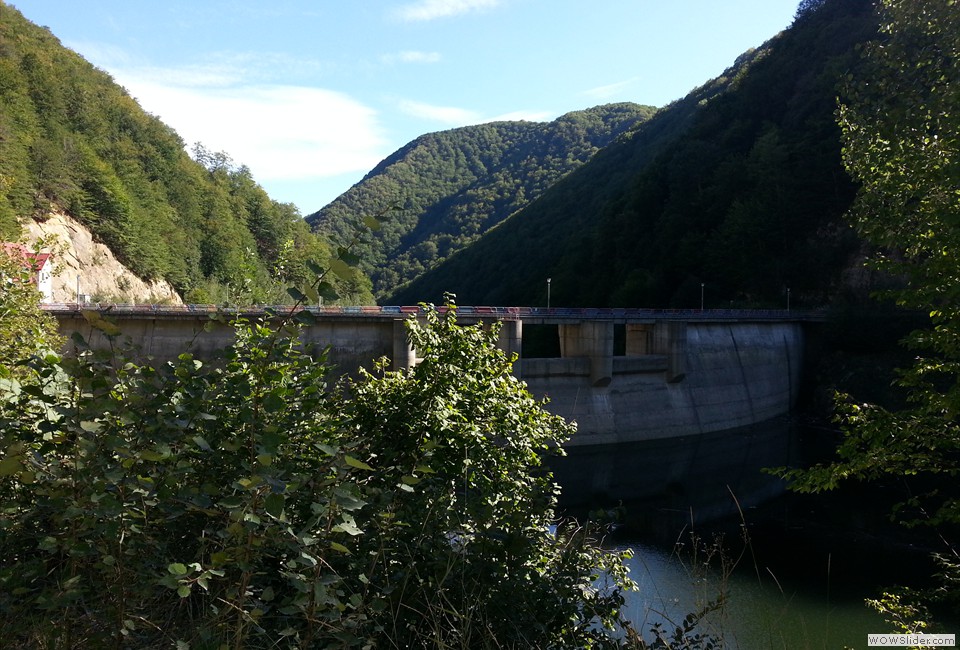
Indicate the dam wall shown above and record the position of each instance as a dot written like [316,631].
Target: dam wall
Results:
[672,374]
[734,374]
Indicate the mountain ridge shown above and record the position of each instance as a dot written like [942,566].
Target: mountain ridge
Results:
[451,186]
[738,187]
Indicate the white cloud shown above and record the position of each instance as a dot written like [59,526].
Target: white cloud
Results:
[610,90]
[446,114]
[304,141]
[192,76]
[433,9]
[456,117]
[280,132]
[411,56]
[100,53]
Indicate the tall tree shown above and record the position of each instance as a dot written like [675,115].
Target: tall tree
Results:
[901,131]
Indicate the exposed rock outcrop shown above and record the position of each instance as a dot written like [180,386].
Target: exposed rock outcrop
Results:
[85,267]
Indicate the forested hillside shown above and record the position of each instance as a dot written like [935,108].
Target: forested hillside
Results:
[449,188]
[738,187]
[71,138]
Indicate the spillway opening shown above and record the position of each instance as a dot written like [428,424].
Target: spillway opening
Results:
[541,342]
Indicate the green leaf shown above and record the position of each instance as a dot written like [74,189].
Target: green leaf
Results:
[108,328]
[372,223]
[183,591]
[305,317]
[272,402]
[327,449]
[339,547]
[326,290]
[11,465]
[341,269]
[348,525]
[274,505]
[359,464]
[249,482]
[202,443]
[296,294]
[315,268]
[231,503]
[347,498]
[347,256]
[91,426]
[177,569]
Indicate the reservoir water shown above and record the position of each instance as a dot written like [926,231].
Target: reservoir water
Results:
[758,610]
[796,568]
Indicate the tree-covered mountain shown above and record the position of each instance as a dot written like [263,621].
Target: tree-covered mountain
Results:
[737,190]
[70,138]
[449,188]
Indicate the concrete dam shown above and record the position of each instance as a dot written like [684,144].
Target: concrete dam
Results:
[624,375]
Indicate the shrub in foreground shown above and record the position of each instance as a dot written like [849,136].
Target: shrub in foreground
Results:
[250,503]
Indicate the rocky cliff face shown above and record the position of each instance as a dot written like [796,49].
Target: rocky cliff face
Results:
[84,266]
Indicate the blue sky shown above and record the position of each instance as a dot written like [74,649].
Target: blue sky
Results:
[312,94]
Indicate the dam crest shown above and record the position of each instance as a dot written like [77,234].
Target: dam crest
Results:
[624,375]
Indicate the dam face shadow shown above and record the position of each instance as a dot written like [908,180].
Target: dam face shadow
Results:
[660,486]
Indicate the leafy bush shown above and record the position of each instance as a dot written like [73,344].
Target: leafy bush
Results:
[25,329]
[249,504]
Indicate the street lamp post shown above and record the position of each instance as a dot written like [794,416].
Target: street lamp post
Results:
[548,292]
[701,295]
[788,298]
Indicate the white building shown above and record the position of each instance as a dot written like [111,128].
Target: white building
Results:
[40,266]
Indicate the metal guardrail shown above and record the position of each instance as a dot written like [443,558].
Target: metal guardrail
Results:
[504,313]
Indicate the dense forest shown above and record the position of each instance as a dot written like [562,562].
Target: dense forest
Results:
[72,139]
[738,187]
[444,190]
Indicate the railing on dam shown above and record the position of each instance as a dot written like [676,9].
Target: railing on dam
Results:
[532,315]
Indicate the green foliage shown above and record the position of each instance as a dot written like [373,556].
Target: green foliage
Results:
[248,504]
[902,611]
[902,143]
[475,563]
[449,188]
[70,138]
[739,185]
[25,329]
